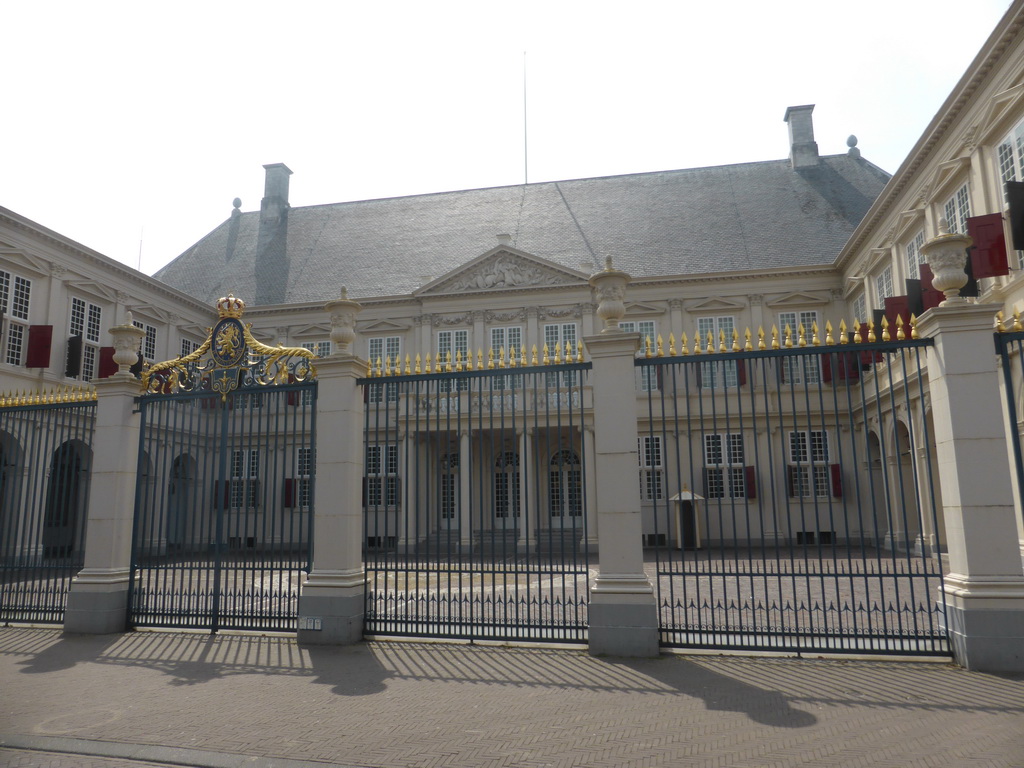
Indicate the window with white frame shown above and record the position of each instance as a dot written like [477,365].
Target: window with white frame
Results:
[318,348]
[800,369]
[1010,154]
[914,256]
[646,329]
[188,346]
[381,350]
[652,463]
[452,348]
[724,470]
[86,321]
[809,469]
[721,373]
[565,484]
[147,345]
[245,472]
[15,293]
[509,339]
[860,309]
[381,475]
[303,477]
[506,485]
[957,210]
[564,336]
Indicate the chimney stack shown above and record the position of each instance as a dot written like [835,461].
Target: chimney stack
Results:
[272,263]
[803,150]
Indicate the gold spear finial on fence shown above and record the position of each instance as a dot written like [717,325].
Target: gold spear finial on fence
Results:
[899,328]
[885,329]
[671,344]
[871,332]
[842,331]
[661,346]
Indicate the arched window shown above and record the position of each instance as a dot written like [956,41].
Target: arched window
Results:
[565,491]
[506,485]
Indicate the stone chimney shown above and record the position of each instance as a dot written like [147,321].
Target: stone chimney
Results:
[271,247]
[803,150]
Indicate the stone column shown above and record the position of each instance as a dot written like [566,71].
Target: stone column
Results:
[984,590]
[331,600]
[98,598]
[623,609]
[589,543]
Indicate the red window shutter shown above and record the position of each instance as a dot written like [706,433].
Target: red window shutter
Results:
[988,257]
[289,493]
[40,340]
[222,493]
[741,372]
[750,482]
[930,297]
[791,481]
[847,367]
[293,396]
[107,365]
[837,480]
[897,306]
[826,368]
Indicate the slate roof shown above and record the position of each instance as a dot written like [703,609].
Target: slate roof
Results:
[751,216]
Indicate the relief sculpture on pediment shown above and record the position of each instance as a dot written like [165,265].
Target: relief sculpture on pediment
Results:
[504,272]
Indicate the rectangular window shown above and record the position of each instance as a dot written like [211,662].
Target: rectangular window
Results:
[808,464]
[799,369]
[452,348]
[957,210]
[15,293]
[303,477]
[86,320]
[648,381]
[860,309]
[509,339]
[651,460]
[564,336]
[188,346]
[381,351]
[1010,155]
[724,473]
[914,256]
[245,472]
[381,475]
[148,344]
[722,373]
[883,286]
[319,348]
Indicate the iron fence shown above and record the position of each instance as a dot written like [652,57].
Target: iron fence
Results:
[795,506]
[476,503]
[45,460]
[1009,347]
[223,511]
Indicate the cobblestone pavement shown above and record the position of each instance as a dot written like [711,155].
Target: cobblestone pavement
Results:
[150,698]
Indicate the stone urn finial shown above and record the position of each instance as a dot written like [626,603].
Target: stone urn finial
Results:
[343,313]
[946,255]
[126,345]
[610,287]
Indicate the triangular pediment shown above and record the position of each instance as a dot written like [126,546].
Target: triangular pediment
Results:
[912,219]
[93,288]
[642,308]
[502,268]
[715,304]
[315,331]
[196,330]
[1002,113]
[946,174]
[382,326]
[799,299]
[150,311]
[17,258]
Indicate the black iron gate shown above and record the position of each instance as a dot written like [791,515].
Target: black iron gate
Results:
[800,509]
[224,500]
[45,458]
[475,499]
[1010,348]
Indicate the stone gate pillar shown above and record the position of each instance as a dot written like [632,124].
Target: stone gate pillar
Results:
[98,598]
[331,602]
[623,609]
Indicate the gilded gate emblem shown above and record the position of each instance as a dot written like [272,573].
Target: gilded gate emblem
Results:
[230,358]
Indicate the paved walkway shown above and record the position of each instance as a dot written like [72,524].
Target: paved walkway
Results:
[152,699]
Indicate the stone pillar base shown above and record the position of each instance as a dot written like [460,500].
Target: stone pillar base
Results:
[97,603]
[985,622]
[331,608]
[623,617]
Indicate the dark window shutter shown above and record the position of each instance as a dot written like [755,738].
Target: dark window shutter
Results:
[826,368]
[657,373]
[782,370]
[915,302]
[930,296]
[741,372]
[293,396]
[136,369]
[847,367]
[1015,197]
[107,365]
[897,306]
[837,480]
[971,289]
[289,493]
[222,493]
[790,481]
[749,482]
[40,339]
[73,366]
[988,257]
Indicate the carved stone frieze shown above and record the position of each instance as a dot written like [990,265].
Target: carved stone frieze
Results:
[440,320]
[504,271]
[755,299]
[505,317]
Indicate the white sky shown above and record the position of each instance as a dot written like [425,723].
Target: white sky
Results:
[142,118]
